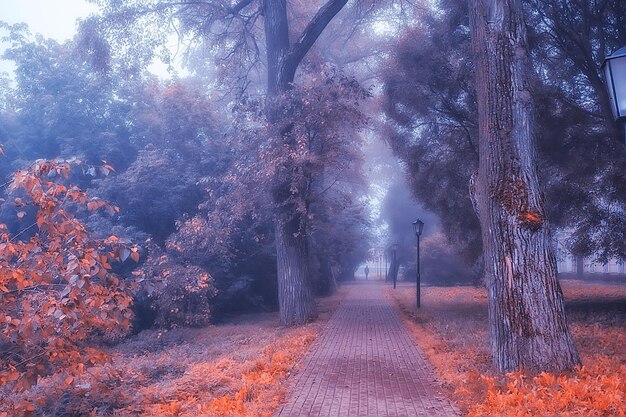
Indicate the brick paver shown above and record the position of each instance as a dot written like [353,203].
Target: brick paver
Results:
[366,365]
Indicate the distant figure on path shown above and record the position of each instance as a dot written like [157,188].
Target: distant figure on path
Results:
[367,271]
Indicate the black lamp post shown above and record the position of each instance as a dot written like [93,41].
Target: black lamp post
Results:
[394,264]
[418,226]
[614,69]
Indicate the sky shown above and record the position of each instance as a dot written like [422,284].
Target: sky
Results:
[56,19]
[51,18]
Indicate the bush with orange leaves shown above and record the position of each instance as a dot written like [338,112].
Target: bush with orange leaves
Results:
[57,287]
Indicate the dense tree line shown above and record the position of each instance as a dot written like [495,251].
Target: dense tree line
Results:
[266,52]
[199,181]
[483,103]
[188,177]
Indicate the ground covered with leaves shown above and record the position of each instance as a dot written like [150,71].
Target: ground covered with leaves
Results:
[237,368]
[452,329]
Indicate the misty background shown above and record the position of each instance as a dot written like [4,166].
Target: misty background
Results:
[179,124]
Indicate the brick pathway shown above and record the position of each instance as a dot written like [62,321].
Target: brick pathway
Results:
[366,365]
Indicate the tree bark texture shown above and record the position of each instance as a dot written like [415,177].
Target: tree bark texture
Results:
[526,312]
[277,42]
[327,281]
[295,296]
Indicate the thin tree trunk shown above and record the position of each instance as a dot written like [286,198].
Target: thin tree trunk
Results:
[526,313]
[328,284]
[580,266]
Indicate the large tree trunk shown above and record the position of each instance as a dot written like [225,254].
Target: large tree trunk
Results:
[526,313]
[295,298]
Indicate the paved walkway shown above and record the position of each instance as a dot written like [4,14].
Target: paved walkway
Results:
[366,365]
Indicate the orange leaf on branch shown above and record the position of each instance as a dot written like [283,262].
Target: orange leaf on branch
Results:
[71,273]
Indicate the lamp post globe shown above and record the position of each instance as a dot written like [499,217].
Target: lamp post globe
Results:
[418,227]
[614,71]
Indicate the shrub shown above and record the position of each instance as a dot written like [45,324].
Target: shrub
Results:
[57,288]
[440,265]
[177,294]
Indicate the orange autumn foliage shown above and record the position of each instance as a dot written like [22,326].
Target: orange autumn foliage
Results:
[588,391]
[56,285]
[235,369]
[254,393]
[451,328]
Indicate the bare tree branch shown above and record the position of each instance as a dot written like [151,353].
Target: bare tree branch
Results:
[240,6]
[310,34]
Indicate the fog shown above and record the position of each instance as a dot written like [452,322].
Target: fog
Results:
[190,190]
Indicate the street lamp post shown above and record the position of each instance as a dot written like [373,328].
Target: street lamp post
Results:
[418,226]
[394,263]
[614,69]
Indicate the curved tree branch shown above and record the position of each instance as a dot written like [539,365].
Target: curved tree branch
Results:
[308,37]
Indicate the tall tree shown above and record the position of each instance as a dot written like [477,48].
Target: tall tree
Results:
[430,105]
[307,177]
[586,197]
[431,120]
[234,27]
[295,295]
[526,312]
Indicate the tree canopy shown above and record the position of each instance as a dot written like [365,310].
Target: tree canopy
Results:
[431,105]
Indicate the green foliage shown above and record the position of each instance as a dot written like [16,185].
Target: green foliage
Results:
[202,197]
[159,140]
[436,134]
[62,106]
[582,148]
[441,266]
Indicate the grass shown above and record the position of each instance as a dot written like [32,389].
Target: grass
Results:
[451,328]
[239,368]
